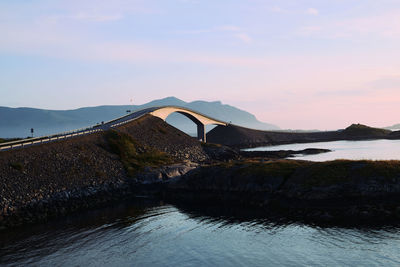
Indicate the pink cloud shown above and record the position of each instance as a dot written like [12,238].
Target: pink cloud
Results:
[312,11]
[385,25]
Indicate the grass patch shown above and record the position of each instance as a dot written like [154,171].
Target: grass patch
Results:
[343,171]
[212,145]
[161,130]
[360,129]
[5,140]
[328,173]
[133,156]
[17,166]
[274,168]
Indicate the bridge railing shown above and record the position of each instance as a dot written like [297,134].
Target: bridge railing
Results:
[113,122]
[46,139]
[127,121]
[88,130]
[194,111]
[68,134]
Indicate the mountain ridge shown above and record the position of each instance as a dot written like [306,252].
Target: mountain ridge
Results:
[395,127]
[17,122]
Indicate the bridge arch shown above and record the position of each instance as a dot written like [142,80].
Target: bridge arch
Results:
[199,119]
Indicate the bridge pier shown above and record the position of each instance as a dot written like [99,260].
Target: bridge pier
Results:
[201,132]
[199,119]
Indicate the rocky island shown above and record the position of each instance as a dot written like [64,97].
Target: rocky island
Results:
[241,137]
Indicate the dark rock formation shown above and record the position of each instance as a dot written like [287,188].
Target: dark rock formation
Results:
[337,191]
[281,154]
[148,156]
[220,152]
[240,137]
[48,180]
[164,173]
[157,134]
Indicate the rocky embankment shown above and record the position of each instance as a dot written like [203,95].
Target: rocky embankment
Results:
[240,137]
[49,180]
[148,156]
[332,192]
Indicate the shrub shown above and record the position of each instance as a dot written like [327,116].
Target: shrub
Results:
[17,166]
[134,156]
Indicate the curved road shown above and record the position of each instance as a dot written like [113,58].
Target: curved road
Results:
[195,116]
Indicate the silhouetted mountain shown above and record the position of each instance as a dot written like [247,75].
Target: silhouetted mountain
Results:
[395,127]
[17,122]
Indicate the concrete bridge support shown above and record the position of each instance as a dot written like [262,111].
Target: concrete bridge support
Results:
[163,112]
[199,119]
[201,132]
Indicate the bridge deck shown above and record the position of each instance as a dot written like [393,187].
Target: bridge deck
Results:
[102,127]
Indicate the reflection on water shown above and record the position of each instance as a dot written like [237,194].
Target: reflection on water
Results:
[353,150]
[150,233]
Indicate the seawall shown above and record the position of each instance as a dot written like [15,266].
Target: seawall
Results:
[346,192]
[52,179]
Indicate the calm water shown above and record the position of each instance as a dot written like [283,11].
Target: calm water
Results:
[374,150]
[148,233]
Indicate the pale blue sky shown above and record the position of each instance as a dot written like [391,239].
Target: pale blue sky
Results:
[298,64]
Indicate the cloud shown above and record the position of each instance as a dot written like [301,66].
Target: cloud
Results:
[312,11]
[295,11]
[83,16]
[223,28]
[392,82]
[238,32]
[382,85]
[244,37]
[96,17]
[229,28]
[189,1]
[277,9]
[55,43]
[309,30]
[384,25]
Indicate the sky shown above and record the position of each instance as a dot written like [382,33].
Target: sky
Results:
[300,64]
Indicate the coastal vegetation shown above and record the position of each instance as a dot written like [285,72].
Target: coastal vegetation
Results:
[134,157]
[4,140]
[340,191]
[306,173]
[364,130]
[148,156]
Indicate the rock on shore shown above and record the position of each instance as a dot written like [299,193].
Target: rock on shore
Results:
[52,179]
[336,191]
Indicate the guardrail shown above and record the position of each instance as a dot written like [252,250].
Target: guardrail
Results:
[125,122]
[83,131]
[46,139]
[68,134]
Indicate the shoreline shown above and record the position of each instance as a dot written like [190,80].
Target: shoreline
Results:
[149,157]
[277,188]
[240,137]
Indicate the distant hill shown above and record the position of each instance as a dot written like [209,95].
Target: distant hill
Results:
[364,130]
[395,127]
[17,122]
[236,136]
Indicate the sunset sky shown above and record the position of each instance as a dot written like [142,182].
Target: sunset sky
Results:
[321,64]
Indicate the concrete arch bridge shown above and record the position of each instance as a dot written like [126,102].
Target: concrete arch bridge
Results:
[162,112]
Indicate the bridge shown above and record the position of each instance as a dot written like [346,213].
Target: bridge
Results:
[162,112]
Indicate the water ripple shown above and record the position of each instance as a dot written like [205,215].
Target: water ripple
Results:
[154,234]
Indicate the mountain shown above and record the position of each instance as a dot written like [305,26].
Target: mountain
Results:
[17,122]
[395,127]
